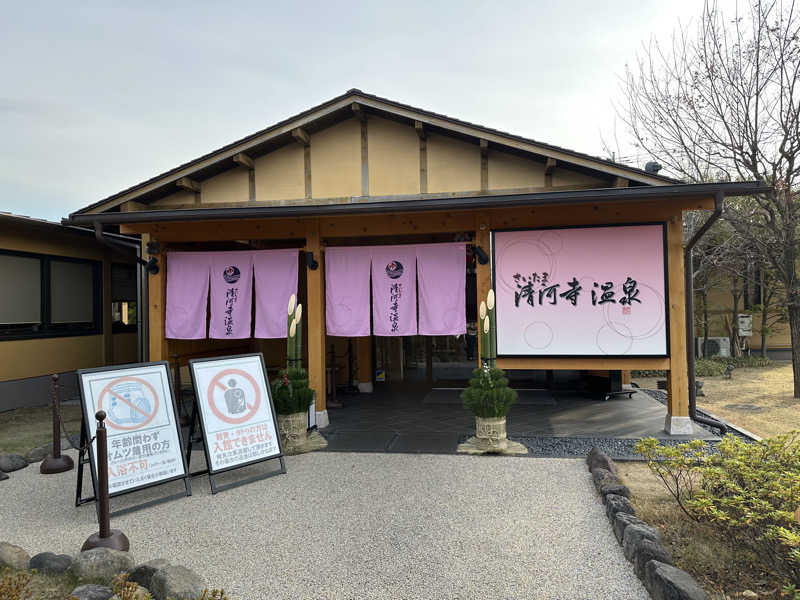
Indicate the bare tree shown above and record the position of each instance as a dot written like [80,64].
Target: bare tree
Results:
[720,103]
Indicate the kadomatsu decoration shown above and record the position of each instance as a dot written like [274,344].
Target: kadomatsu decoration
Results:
[290,391]
[488,396]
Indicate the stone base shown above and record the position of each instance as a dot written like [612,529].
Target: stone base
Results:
[116,541]
[322,419]
[678,425]
[56,465]
[473,446]
[366,387]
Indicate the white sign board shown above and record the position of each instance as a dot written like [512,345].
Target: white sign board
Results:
[581,291]
[236,411]
[144,443]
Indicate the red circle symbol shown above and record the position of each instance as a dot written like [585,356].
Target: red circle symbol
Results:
[216,382]
[120,398]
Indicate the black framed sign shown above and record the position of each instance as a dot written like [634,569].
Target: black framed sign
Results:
[582,291]
[233,402]
[145,446]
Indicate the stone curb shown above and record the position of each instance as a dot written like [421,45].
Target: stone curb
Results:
[158,577]
[641,543]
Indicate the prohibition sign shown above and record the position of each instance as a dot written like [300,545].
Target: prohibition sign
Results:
[119,397]
[217,382]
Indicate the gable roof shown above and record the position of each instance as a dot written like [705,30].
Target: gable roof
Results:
[327,113]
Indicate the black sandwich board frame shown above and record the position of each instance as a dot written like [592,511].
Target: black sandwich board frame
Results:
[86,446]
[197,419]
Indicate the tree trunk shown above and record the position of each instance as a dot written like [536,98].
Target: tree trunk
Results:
[734,331]
[794,327]
[764,317]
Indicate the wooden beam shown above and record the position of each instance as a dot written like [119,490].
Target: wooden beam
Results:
[483,273]
[300,135]
[620,182]
[420,128]
[358,112]
[315,311]
[423,160]
[188,184]
[243,160]
[677,377]
[549,167]
[484,166]
[364,158]
[157,298]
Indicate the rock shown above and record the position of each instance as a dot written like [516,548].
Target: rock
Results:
[3,475]
[13,556]
[597,459]
[634,533]
[143,574]
[52,564]
[614,488]
[101,563]
[621,521]
[12,462]
[750,595]
[618,504]
[177,583]
[665,582]
[603,477]
[92,592]
[36,455]
[647,550]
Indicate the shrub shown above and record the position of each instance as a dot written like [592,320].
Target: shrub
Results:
[488,394]
[12,585]
[709,367]
[290,391]
[650,373]
[750,491]
[128,590]
[741,362]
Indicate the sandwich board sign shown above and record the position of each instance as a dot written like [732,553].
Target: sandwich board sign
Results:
[237,418]
[144,438]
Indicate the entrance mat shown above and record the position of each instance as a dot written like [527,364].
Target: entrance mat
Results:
[526,397]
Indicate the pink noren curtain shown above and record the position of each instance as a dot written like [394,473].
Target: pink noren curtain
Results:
[441,271]
[187,295]
[275,280]
[231,294]
[347,291]
[394,290]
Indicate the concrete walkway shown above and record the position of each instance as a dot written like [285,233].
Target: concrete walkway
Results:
[342,525]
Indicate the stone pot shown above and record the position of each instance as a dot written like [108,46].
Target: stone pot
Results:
[292,429]
[490,434]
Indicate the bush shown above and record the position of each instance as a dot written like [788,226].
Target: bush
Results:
[749,491]
[488,394]
[742,362]
[290,391]
[650,373]
[12,585]
[709,367]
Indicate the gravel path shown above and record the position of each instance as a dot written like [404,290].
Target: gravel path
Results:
[343,525]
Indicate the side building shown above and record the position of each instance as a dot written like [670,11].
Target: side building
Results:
[68,301]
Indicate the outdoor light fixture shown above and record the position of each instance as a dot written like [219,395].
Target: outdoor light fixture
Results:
[483,258]
[151,266]
[153,247]
[310,262]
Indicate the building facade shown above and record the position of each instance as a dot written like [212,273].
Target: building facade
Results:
[362,171]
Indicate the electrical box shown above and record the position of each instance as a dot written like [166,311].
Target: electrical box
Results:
[717,346]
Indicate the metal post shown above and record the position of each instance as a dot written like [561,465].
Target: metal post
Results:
[56,462]
[107,537]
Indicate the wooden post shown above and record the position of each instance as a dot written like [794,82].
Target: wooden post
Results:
[483,272]
[106,537]
[677,421]
[108,336]
[315,286]
[157,301]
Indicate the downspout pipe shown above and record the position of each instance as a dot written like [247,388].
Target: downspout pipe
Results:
[688,269]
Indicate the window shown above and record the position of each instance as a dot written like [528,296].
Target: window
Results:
[123,298]
[48,296]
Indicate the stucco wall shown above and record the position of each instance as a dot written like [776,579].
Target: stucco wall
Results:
[336,161]
[393,158]
[453,165]
[280,175]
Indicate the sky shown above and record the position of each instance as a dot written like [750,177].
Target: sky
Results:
[98,96]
